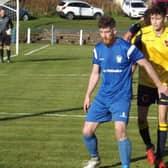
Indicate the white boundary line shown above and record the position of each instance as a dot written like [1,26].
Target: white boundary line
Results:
[62,115]
[36,50]
[31,52]
[51,75]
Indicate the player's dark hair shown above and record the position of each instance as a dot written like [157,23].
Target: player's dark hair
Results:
[2,8]
[106,21]
[147,17]
[158,10]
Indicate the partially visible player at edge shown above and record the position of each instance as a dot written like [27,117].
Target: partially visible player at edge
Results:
[113,59]
[153,42]
[6,26]
[134,28]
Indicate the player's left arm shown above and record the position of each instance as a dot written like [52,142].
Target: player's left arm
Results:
[10,23]
[153,75]
[9,26]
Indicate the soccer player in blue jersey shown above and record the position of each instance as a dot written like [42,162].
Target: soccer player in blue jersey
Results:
[113,59]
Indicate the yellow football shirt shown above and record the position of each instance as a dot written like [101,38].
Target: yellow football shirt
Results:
[155,50]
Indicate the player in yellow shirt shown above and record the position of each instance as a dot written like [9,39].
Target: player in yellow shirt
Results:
[153,42]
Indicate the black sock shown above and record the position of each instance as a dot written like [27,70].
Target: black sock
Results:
[8,54]
[1,54]
[146,137]
[161,139]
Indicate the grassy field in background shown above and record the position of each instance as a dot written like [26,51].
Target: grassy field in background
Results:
[41,119]
[123,23]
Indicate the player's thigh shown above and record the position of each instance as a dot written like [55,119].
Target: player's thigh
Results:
[7,41]
[7,47]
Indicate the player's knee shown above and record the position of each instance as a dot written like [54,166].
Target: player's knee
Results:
[87,132]
[121,137]
[7,47]
[120,134]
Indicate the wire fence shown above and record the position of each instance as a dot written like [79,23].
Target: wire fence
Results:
[60,36]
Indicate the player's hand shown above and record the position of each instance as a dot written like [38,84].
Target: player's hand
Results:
[8,32]
[86,104]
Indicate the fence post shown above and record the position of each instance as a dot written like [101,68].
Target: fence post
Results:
[28,35]
[13,36]
[53,37]
[81,37]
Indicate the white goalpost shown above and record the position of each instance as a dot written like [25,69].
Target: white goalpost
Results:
[12,6]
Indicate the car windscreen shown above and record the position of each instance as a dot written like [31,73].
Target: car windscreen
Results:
[137,5]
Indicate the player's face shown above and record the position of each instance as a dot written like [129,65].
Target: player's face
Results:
[107,35]
[157,21]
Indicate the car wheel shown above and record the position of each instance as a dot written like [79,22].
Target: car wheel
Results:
[70,16]
[97,16]
[25,17]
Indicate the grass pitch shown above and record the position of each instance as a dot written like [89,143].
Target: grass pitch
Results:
[41,119]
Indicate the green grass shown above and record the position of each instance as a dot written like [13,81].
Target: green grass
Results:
[40,116]
[86,24]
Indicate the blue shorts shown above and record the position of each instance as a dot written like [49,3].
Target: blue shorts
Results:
[101,111]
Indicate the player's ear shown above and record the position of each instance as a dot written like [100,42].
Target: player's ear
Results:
[114,30]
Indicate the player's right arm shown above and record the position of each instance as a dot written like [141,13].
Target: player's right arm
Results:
[93,80]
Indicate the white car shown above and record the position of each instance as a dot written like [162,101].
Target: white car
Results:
[134,8]
[77,8]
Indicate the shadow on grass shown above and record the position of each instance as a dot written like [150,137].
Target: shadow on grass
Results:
[119,163]
[51,59]
[39,114]
[135,160]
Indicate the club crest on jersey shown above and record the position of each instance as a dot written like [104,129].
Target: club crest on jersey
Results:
[166,42]
[123,115]
[118,58]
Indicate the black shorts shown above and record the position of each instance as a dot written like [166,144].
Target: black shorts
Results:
[5,39]
[147,95]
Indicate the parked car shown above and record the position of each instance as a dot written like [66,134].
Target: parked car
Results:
[24,14]
[76,8]
[134,8]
